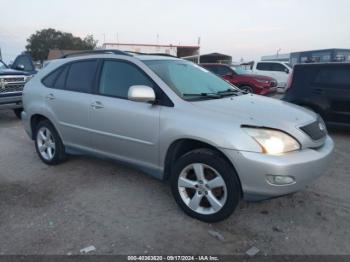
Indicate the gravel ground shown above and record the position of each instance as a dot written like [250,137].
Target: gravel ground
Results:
[85,201]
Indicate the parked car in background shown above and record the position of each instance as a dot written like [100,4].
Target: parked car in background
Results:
[323,88]
[278,70]
[11,87]
[257,84]
[176,121]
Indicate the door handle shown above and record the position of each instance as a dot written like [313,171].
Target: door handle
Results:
[97,105]
[50,97]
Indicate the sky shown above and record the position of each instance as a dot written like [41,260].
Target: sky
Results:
[245,29]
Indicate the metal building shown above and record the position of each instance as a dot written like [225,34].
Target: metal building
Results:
[175,50]
[210,58]
[317,56]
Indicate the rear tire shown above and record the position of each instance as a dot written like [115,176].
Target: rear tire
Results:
[48,144]
[205,185]
[18,112]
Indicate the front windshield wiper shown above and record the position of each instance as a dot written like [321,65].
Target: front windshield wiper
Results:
[216,95]
[206,95]
[229,92]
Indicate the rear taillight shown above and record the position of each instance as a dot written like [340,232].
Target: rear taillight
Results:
[290,81]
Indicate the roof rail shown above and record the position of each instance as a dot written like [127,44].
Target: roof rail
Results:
[139,53]
[93,52]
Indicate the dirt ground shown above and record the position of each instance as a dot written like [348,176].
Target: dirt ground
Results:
[85,201]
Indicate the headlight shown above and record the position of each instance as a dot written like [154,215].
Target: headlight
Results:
[28,78]
[262,81]
[273,142]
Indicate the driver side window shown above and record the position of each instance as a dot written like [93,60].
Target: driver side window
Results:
[223,70]
[118,76]
[25,61]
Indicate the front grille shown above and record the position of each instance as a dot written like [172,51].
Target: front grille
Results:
[13,79]
[315,130]
[9,88]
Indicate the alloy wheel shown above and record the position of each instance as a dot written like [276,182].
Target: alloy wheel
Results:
[46,143]
[202,188]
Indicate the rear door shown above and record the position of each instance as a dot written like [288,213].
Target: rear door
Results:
[69,98]
[332,82]
[124,129]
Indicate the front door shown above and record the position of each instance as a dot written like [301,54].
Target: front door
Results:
[124,129]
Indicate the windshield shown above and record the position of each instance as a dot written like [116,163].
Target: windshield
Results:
[189,80]
[239,70]
[289,65]
[2,65]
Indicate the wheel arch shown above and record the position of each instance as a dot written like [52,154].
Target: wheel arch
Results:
[182,146]
[35,120]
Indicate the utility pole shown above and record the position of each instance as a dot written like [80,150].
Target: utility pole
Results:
[278,51]
[199,50]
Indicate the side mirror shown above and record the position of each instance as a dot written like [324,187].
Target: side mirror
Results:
[20,67]
[140,93]
[286,70]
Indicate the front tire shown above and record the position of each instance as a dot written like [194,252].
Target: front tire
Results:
[247,89]
[48,144]
[205,185]
[18,112]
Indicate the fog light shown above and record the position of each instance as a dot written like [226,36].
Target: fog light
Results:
[280,180]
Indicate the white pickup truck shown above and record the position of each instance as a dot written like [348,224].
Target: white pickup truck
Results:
[275,69]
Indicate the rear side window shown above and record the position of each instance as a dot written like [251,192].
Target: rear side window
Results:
[335,75]
[117,77]
[263,66]
[50,79]
[81,75]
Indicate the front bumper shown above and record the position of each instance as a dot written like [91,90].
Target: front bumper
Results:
[304,166]
[10,102]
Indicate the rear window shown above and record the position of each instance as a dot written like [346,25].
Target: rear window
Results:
[335,75]
[81,75]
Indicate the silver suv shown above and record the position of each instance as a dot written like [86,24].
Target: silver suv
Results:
[175,121]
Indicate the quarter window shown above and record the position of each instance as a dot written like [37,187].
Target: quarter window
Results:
[61,80]
[117,77]
[81,75]
[49,80]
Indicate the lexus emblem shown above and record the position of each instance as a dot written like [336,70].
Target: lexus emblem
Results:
[321,126]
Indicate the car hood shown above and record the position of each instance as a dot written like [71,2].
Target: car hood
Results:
[8,71]
[255,110]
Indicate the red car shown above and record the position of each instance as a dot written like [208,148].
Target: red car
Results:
[257,84]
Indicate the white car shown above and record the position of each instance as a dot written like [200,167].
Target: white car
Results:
[275,69]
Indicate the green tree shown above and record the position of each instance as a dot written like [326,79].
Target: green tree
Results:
[40,43]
